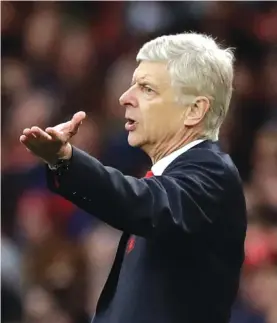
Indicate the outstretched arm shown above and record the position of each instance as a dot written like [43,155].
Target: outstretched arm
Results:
[184,199]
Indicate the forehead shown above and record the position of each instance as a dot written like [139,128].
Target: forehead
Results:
[153,72]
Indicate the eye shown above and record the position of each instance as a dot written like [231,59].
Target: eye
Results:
[146,89]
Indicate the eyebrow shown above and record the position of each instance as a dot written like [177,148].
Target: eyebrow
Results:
[143,79]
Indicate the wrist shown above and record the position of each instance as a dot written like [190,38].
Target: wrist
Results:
[64,154]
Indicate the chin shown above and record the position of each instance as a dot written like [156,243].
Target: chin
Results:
[134,140]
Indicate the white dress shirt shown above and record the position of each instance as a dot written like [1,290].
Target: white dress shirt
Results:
[162,164]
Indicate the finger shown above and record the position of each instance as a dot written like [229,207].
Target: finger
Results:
[26,142]
[76,121]
[28,133]
[22,139]
[40,134]
[79,117]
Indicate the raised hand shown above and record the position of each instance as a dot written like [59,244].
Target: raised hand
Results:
[53,143]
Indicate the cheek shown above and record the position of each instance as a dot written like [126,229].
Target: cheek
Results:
[154,125]
[158,117]
[161,118]
[149,117]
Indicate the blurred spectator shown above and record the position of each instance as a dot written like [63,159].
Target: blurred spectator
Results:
[51,260]
[36,108]
[101,245]
[41,32]
[263,186]
[260,246]
[11,292]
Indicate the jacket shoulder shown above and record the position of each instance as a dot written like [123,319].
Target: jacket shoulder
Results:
[209,157]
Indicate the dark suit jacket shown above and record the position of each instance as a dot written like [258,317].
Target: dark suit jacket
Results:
[189,227]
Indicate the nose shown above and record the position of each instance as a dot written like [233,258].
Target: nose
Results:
[128,98]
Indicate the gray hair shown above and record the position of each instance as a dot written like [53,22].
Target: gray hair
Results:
[198,66]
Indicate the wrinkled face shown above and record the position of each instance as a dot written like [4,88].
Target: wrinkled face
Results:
[152,111]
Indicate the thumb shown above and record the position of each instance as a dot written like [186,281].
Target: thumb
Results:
[78,118]
[76,121]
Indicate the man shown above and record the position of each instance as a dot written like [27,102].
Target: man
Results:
[180,255]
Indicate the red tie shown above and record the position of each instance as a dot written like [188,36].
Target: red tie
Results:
[149,174]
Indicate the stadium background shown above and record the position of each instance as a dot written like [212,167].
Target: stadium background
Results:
[58,58]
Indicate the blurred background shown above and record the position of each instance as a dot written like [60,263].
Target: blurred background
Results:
[61,57]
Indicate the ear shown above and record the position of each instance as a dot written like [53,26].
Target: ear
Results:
[196,111]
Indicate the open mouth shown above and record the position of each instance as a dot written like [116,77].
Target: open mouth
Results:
[130,124]
[130,121]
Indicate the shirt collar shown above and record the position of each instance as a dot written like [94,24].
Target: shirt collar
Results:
[162,164]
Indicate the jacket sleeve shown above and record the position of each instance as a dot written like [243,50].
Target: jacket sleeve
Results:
[186,198]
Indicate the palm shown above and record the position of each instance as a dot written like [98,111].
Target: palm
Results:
[51,143]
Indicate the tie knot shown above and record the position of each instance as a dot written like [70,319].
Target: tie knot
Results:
[149,174]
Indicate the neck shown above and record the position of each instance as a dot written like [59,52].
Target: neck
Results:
[167,147]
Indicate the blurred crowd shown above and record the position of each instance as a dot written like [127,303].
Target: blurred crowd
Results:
[62,57]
